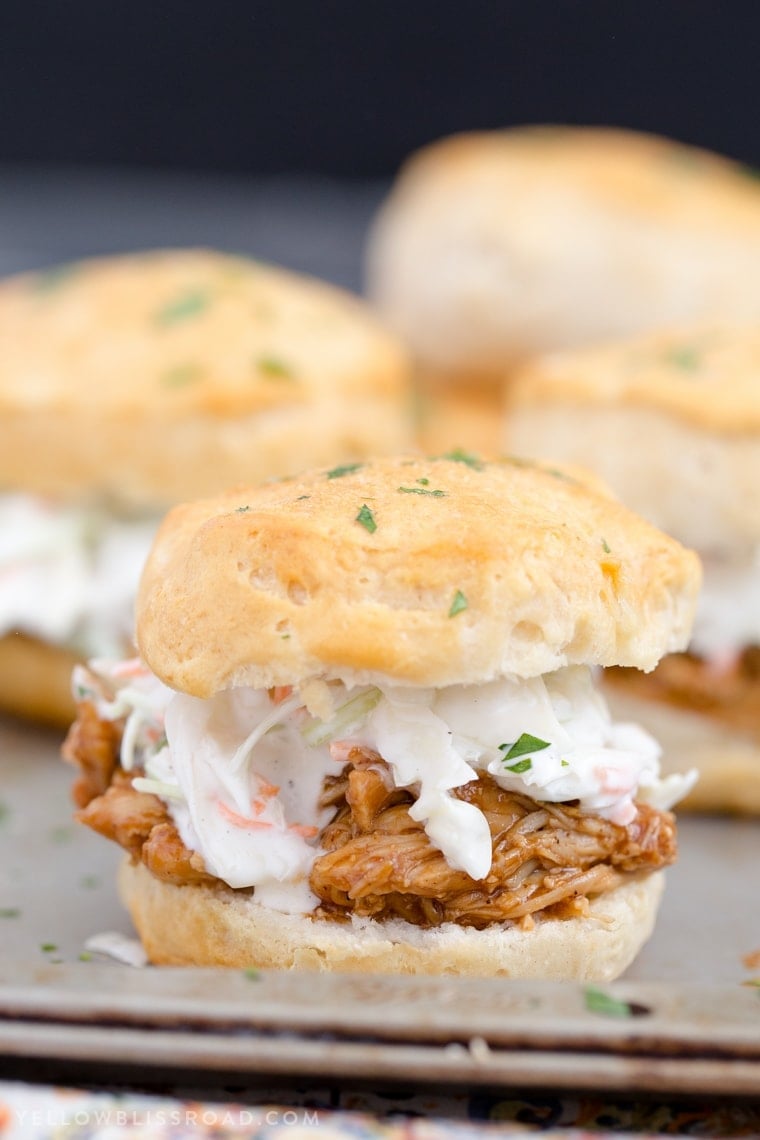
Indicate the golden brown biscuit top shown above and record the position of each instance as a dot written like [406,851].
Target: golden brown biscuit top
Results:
[646,175]
[410,570]
[707,375]
[174,331]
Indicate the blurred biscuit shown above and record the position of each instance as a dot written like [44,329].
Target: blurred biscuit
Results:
[496,245]
[132,382]
[671,421]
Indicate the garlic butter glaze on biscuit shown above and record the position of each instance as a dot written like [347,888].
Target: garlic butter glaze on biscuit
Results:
[493,246]
[365,733]
[130,383]
[671,421]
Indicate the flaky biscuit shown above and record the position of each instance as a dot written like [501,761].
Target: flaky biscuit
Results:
[497,245]
[153,377]
[671,420]
[199,925]
[417,571]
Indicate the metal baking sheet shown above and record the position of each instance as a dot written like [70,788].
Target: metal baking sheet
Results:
[693,1026]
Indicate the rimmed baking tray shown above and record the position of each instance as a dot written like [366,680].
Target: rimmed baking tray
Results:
[687,1024]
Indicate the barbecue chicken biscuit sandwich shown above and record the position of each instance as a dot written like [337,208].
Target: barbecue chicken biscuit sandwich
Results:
[672,422]
[365,733]
[497,245]
[131,383]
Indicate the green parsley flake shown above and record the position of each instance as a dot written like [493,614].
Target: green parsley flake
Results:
[524,744]
[241,510]
[685,357]
[423,482]
[275,368]
[606,546]
[301,498]
[458,455]
[85,956]
[251,974]
[90,882]
[62,834]
[182,308]
[10,912]
[458,603]
[422,491]
[367,519]
[48,947]
[181,376]
[50,279]
[344,469]
[598,1001]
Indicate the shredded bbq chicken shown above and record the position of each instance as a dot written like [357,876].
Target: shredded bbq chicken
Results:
[107,802]
[376,861]
[729,691]
[546,857]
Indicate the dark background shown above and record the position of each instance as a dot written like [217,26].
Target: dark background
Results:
[349,88]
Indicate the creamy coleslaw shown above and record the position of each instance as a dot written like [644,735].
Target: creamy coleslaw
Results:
[69,574]
[241,773]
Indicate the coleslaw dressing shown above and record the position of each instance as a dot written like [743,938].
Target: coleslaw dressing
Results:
[241,773]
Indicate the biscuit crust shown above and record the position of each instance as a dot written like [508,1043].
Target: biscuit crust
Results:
[493,246]
[411,571]
[690,392]
[215,926]
[148,378]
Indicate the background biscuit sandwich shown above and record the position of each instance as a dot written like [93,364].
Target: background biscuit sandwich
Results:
[129,383]
[672,422]
[364,734]
[494,246]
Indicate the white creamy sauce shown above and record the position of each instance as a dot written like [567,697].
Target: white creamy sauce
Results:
[728,611]
[248,801]
[69,573]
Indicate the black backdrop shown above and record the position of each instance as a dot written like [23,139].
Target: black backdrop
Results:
[342,87]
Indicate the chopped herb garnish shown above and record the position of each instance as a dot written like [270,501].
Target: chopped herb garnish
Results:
[523,745]
[10,912]
[458,455]
[62,835]
[284,637]
[85,956]
[251,974]
[458,603]
[606,546]
[565,763]
[684,357]
[182,307]
[181,376]
[422,491]
[521,766]
[48,947]
[752,982]
[274,367]
[241,510]
[50,279]
[90,882]
[597,1001]
[344,469]
[302,497]
[367,519]
[423,482]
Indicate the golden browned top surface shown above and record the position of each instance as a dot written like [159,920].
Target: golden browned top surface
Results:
[705,374]
[641,173]
[168,374]
[420,571]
